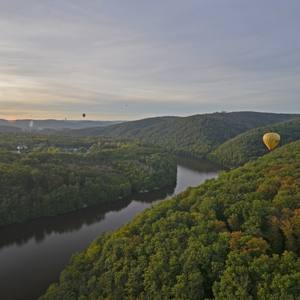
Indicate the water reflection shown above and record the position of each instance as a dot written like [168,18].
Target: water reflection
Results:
[33,254]
[39,229]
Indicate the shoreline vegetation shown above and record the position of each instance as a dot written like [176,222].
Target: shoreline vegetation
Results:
[193,246]
[48,176]
[197,244]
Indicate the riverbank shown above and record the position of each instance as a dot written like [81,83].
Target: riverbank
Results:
[44,246]
[49,181]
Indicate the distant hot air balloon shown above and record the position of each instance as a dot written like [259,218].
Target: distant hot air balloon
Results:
[83,115]
[271,140]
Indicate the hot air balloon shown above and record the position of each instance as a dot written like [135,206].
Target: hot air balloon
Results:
[271,140]
[83,115]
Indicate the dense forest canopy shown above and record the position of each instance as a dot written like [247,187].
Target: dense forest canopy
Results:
[249,145]
[194,135]
[49,175]
[235,237]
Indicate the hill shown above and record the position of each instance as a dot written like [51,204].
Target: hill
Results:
[235,237]
[248,145]
[47,177]
[195,135]
[40,125]
[9,129]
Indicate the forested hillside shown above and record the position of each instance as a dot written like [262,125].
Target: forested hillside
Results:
[249,145]
[47,176]
[195,135]
[39,125]
[235,237]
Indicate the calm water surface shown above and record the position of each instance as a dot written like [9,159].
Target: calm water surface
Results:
[33,254]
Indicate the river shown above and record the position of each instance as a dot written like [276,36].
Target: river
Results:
[33,254]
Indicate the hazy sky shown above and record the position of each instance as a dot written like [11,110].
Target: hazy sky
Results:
[130,59]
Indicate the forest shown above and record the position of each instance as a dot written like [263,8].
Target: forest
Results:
[249,145]
[195,135]
[46,175]
[50,175]
[234,237]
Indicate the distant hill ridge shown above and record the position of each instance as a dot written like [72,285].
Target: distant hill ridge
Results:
[28,124]
[7,128]
[195,135]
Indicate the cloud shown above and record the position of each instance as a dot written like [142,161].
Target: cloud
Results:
[139,58]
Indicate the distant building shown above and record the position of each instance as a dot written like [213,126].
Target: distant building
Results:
[21,148]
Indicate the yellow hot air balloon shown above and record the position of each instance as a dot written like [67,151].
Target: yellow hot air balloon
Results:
[271,140]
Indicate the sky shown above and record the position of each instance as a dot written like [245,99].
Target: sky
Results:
[130,59]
